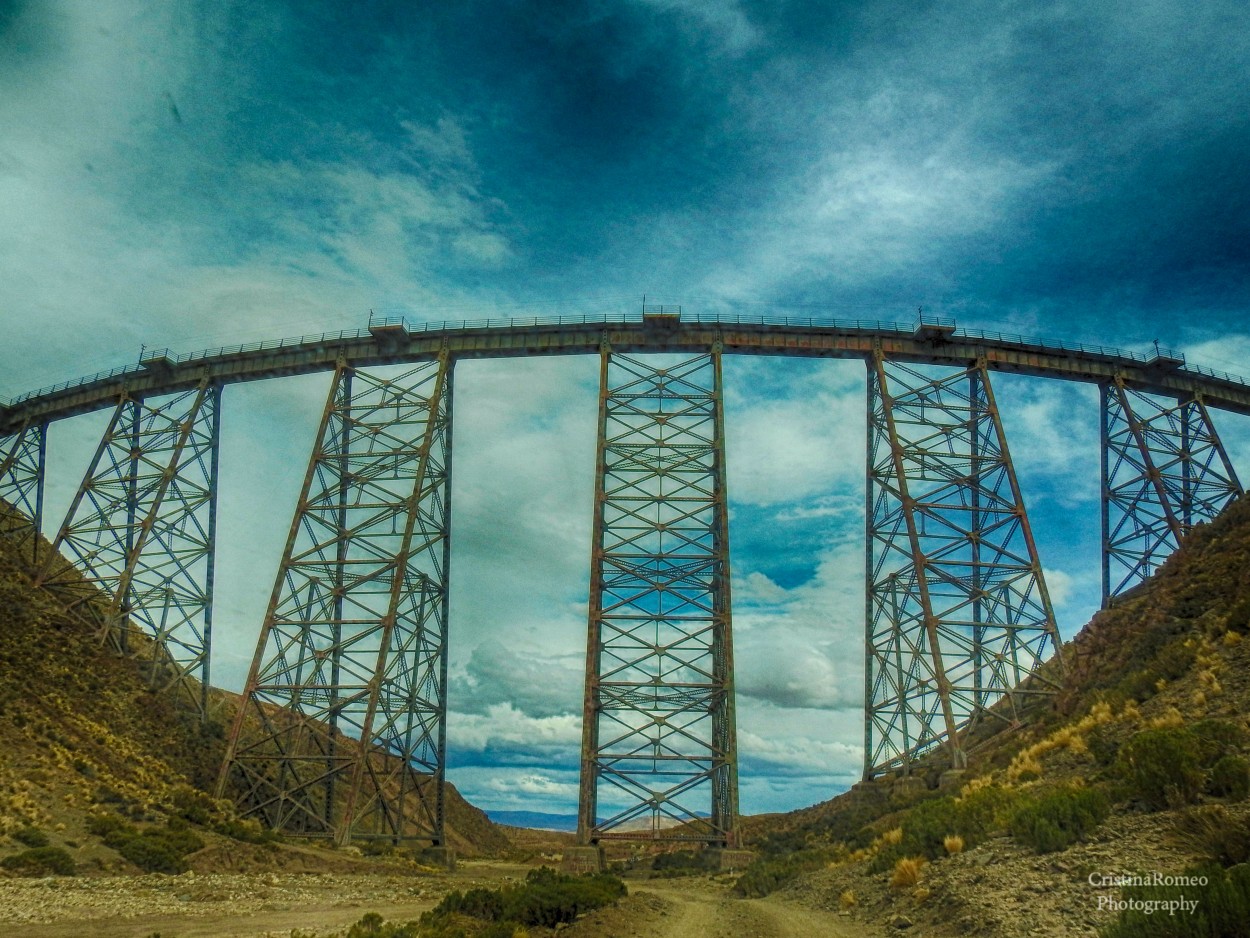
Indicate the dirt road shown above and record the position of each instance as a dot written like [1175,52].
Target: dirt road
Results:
[697,908]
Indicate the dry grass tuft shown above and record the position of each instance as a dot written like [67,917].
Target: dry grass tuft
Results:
[892,837]
[953,843]
[847,900]
[907,872]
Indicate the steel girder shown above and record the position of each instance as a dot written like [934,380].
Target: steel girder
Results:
[341,731]
[659,756]
[958,616]
[134,556]
[1164,469]
[22,458]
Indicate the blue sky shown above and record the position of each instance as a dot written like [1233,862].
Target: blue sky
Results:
[194,174]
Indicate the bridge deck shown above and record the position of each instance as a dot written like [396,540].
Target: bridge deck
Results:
[394,341]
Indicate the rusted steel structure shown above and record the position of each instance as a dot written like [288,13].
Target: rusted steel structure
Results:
[1163,470]
[658,731]
[343,730]
[21,486]
[958,616]
[141,531]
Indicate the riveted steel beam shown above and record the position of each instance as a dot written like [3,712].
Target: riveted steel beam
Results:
[22,460]
[574,335]
[659,757]
[134,556]
[958,616]
[1164,470]
[341,731]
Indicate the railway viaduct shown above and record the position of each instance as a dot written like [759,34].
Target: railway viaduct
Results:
[342,730]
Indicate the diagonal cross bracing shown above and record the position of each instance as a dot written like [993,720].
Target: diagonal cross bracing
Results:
[958,617]
[1164,470]
[140,533]
[659,745]
[22,459]
[342,729]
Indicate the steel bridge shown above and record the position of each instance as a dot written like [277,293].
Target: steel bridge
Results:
[342,729]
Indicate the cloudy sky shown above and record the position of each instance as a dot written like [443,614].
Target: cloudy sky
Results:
[192,174]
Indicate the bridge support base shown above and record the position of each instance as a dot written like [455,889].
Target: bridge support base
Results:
[727,860]
[582,859]
[443,858]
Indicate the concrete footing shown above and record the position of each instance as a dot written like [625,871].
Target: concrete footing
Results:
[582,860]
[728,860]
[442,857]
[952,778]
[907,788]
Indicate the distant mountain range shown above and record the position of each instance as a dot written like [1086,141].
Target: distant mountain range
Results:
[535,820]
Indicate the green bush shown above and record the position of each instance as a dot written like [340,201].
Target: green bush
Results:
[194,806]
[766,874]
[926,827]
[1162,767]
[249,831]
[546,899]
[1230,778]
[680,863]
[1216,738]
[1214,834]
[154,850]
[1222,910]
[1059,818]
[31,837]
[40,861]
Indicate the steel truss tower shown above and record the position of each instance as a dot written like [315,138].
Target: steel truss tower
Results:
[341,732]
[140,531]
[958,617]
[659,756]
[1164,469]
[22,458]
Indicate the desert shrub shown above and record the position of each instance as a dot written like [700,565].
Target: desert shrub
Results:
[681,863]
[1230,778]
[1162,767]
[1216,738]
[1140,685]
[1239,616]
[106,825]
[31,837]
[151,855]
[1222,910]
[372,925]
[249,831]
[194,806]
[925,829]
[40,861]
[154,850]
[1058,818]
[1214,834]
[546,898]
[768,873]
[1103,745]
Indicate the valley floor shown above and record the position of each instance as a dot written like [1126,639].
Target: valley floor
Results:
[270,905]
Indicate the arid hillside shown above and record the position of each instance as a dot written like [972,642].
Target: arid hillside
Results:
[84,735]
[1138,768]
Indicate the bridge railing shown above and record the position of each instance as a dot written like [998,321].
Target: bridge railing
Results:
[803,322]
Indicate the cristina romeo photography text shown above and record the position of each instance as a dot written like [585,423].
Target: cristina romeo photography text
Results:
[1170,904]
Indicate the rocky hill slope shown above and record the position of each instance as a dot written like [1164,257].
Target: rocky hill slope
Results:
[1139,768]
[83,735]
